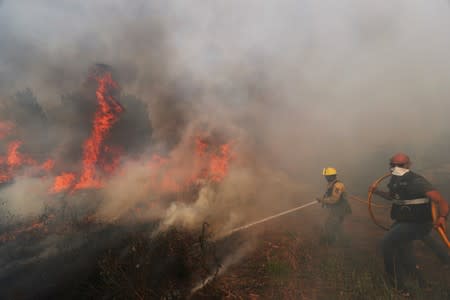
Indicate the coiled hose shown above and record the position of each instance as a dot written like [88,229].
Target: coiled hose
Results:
[369,199]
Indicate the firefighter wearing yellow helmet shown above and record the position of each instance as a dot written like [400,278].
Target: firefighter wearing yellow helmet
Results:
[335,201]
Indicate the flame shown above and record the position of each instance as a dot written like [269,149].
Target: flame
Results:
[14,158]
[214,166]
[218,166]
[209,162]
[203,161]
[201,146]
[13,161]
[63,182]
[105,116]
[205,165]
[48,165]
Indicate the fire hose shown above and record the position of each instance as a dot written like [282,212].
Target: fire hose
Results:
[209,278]
[356,198]
[440,229]
[369,200]
[270,218]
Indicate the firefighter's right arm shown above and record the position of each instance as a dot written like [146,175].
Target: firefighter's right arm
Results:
[443,206]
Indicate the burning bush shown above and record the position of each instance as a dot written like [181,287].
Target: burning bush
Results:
[98,192]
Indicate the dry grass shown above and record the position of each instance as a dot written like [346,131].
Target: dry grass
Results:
[287,263]
[288,266]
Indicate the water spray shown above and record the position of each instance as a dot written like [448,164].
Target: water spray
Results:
[224,266]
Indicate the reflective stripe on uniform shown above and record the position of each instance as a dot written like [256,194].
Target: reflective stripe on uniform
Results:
[412,201]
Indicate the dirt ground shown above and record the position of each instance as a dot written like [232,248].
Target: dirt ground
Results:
[283,259]
[290,262]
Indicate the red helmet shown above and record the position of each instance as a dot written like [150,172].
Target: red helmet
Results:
[399,159]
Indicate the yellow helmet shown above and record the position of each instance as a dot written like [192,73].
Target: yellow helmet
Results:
[329,171]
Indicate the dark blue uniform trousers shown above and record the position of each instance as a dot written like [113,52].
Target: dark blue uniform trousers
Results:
[397,249]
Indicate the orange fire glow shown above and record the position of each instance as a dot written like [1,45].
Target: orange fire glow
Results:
[205,165]
[63,182]
[209,161]
[106,115]
[14,160]
[219,164]
[204,161]
[48,165]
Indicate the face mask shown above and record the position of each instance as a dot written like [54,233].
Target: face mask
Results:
[397,171]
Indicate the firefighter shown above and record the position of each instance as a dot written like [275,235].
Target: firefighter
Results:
[335,200]
[410,194]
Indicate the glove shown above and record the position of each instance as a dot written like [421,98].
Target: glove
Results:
[440,222]
[320,200]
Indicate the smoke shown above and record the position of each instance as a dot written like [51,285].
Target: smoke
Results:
[26,198]
[301,76]
[254,193]
[293,86]
[228,261]
[131,190]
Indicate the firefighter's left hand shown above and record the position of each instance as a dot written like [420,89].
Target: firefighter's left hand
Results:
[440,222]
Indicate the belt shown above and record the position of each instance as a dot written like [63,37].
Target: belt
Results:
[411,201]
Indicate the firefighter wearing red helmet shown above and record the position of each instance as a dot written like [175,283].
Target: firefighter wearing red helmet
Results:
[334,199]
[411,196]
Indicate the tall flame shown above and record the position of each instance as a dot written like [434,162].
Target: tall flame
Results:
[106,115]
[208,161]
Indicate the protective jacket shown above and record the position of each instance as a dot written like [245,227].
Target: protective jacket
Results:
[409,200]
[335,197]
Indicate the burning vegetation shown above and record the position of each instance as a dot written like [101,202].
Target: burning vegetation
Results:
[101,155]
[71,178]
[104,211]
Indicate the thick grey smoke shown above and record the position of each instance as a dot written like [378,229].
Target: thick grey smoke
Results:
[302,77]
[307,84]
[297,85]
